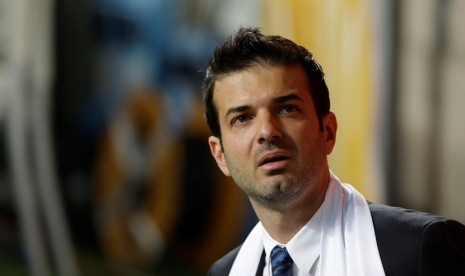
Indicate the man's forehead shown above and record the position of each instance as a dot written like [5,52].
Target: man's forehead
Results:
[260,80]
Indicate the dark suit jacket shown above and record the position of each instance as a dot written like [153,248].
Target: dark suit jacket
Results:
[409,243]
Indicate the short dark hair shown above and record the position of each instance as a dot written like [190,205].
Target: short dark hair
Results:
[248,47]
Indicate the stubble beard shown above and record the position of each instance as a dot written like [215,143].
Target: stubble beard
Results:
[280,189]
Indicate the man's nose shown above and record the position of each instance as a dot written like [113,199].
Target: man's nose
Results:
[269,129]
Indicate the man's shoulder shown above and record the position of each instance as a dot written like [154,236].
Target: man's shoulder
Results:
[407,238]
[390,216]
[399,228]
[223,265]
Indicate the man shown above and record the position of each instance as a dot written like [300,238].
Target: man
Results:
[268,107]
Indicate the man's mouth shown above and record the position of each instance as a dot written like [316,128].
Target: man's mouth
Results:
[274,161]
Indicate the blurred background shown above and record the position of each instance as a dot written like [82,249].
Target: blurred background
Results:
[104,162]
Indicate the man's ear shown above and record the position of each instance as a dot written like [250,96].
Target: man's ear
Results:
[330,129]
[217,152]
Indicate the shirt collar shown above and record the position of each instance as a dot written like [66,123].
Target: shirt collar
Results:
[304,247]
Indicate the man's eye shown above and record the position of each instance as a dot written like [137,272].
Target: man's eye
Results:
[240,119]
[288,109]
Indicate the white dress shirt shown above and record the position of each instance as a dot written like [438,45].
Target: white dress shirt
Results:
[304,248]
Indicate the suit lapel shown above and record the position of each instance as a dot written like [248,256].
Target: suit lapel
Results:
[261,265]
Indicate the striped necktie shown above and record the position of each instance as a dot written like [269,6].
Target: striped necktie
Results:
[281,262]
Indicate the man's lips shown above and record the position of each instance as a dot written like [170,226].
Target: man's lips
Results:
[274,160]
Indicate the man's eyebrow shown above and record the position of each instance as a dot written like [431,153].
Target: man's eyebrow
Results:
[236,109]
[285,98]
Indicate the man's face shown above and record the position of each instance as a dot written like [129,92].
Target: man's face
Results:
[271,144]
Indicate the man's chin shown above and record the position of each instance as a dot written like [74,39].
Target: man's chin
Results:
[276,201]
[277,193]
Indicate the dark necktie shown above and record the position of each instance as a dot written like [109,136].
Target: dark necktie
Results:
[281,262]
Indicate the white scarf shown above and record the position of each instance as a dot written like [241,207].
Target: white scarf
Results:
[348,242]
